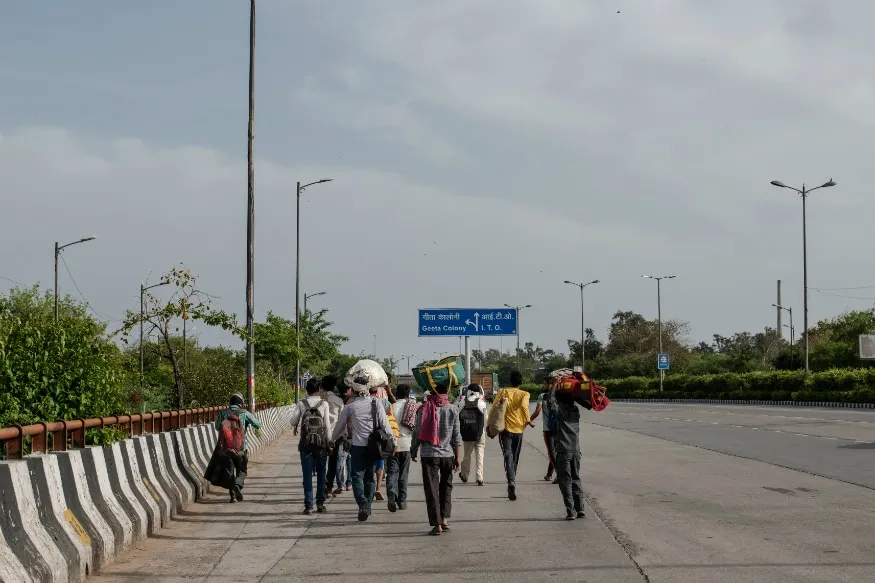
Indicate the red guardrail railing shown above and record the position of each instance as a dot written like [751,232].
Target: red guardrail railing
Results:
[71,434]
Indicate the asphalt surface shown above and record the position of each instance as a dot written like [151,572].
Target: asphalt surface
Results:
[676,494]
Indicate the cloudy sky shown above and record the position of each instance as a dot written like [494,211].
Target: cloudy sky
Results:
[482,151]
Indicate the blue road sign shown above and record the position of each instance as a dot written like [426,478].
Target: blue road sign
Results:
[663,361]
[467,322]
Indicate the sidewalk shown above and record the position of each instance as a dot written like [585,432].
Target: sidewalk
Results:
[267,539]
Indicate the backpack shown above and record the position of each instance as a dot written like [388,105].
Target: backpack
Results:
[471,421]
[314,434]
[231,435]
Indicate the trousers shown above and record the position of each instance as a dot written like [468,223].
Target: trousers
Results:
[397,472]
[473,452]
[568,472]
[511,446]
[437,480]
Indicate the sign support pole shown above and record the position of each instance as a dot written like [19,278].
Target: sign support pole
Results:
[467,360]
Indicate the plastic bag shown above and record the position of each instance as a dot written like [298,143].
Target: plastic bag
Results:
[365,375]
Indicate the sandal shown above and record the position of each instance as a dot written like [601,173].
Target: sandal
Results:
[445,526]
[436,531]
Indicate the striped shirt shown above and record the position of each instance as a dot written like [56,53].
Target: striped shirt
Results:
[449,434]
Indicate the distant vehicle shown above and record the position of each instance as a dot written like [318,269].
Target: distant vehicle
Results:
[487,380]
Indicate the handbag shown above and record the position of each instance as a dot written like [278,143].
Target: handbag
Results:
[380,442]
[496,418]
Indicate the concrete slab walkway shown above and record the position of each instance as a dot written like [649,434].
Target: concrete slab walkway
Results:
[267,539]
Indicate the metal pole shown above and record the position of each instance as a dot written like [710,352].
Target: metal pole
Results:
[805,277]
[780,327]
[582,335]
[142,351]
[57,252]
[792,329]
[467,361]
[298,292]
[518,365]
[184,345]
[659,318]
[375,346]
[250,224]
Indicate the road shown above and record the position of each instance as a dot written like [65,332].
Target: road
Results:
[682,494]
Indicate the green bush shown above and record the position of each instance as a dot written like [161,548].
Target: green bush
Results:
[838,385]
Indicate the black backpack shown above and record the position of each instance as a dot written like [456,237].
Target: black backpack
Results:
[314,434]
[471,421]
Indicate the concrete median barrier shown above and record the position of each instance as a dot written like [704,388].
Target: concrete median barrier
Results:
[68,514]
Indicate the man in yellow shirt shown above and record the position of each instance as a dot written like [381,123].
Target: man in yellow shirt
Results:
[516,418]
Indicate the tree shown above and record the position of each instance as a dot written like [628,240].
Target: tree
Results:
[276,343]
[593,345]
[187,303]
[55,370]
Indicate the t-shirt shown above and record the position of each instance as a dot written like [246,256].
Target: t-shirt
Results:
[545,414]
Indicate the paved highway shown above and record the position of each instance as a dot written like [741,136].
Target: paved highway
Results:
[682,493]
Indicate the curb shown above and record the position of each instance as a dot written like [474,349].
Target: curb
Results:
[68,514]
[824,404]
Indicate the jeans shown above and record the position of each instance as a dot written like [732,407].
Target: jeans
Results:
[437,479]
[568,472]
[511,446]
[474,451]
[364,476]
[309,462]
[348,469]
[397,470]
[551,458]
[342,467]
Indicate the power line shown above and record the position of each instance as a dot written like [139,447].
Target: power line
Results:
[842,288]
[843,296]
[81,295]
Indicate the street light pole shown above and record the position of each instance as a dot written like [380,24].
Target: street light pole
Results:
[308,296]
[789,311]
[300,190]
[804,192]
[582,324]
[143,290]
[659,314]
[58,249]
[408,357]
[250,218]
[517,309]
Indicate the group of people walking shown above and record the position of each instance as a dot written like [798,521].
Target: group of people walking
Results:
[350,439]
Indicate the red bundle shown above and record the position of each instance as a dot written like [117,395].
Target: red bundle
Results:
[573,381]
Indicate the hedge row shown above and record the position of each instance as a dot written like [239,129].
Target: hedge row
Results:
[836,385]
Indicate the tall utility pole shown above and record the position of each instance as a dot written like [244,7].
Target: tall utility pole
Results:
[518,353]
[58,249]
[804,192]
[300,190]
[659,314]
[142,316]
[408,357]
[778,309]
[250,220]
[582,325]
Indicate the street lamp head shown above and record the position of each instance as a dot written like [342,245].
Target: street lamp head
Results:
[778,183]
[528,306]
[571,282]
[647,276]
[828,184]
[670,276]
[89,238]
[325,180]
[595,281]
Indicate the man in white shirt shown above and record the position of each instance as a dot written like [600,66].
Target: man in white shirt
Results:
[359,415]
[398,465]
[472,414]
[312,414]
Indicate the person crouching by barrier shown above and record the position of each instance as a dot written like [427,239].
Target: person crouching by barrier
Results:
[229,463]
[438,438]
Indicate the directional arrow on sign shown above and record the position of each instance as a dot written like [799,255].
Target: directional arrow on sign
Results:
[475,323]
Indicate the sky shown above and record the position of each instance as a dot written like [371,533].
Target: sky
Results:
[481,154]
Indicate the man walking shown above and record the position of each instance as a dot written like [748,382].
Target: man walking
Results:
[363,415]
[437,437]
[232,424]
[336,455]
[516,418]
[565,417]
[312,414]
[546,387]
[472,426]
[398,464]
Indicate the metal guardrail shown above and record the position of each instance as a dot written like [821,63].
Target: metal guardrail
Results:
[71,434]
